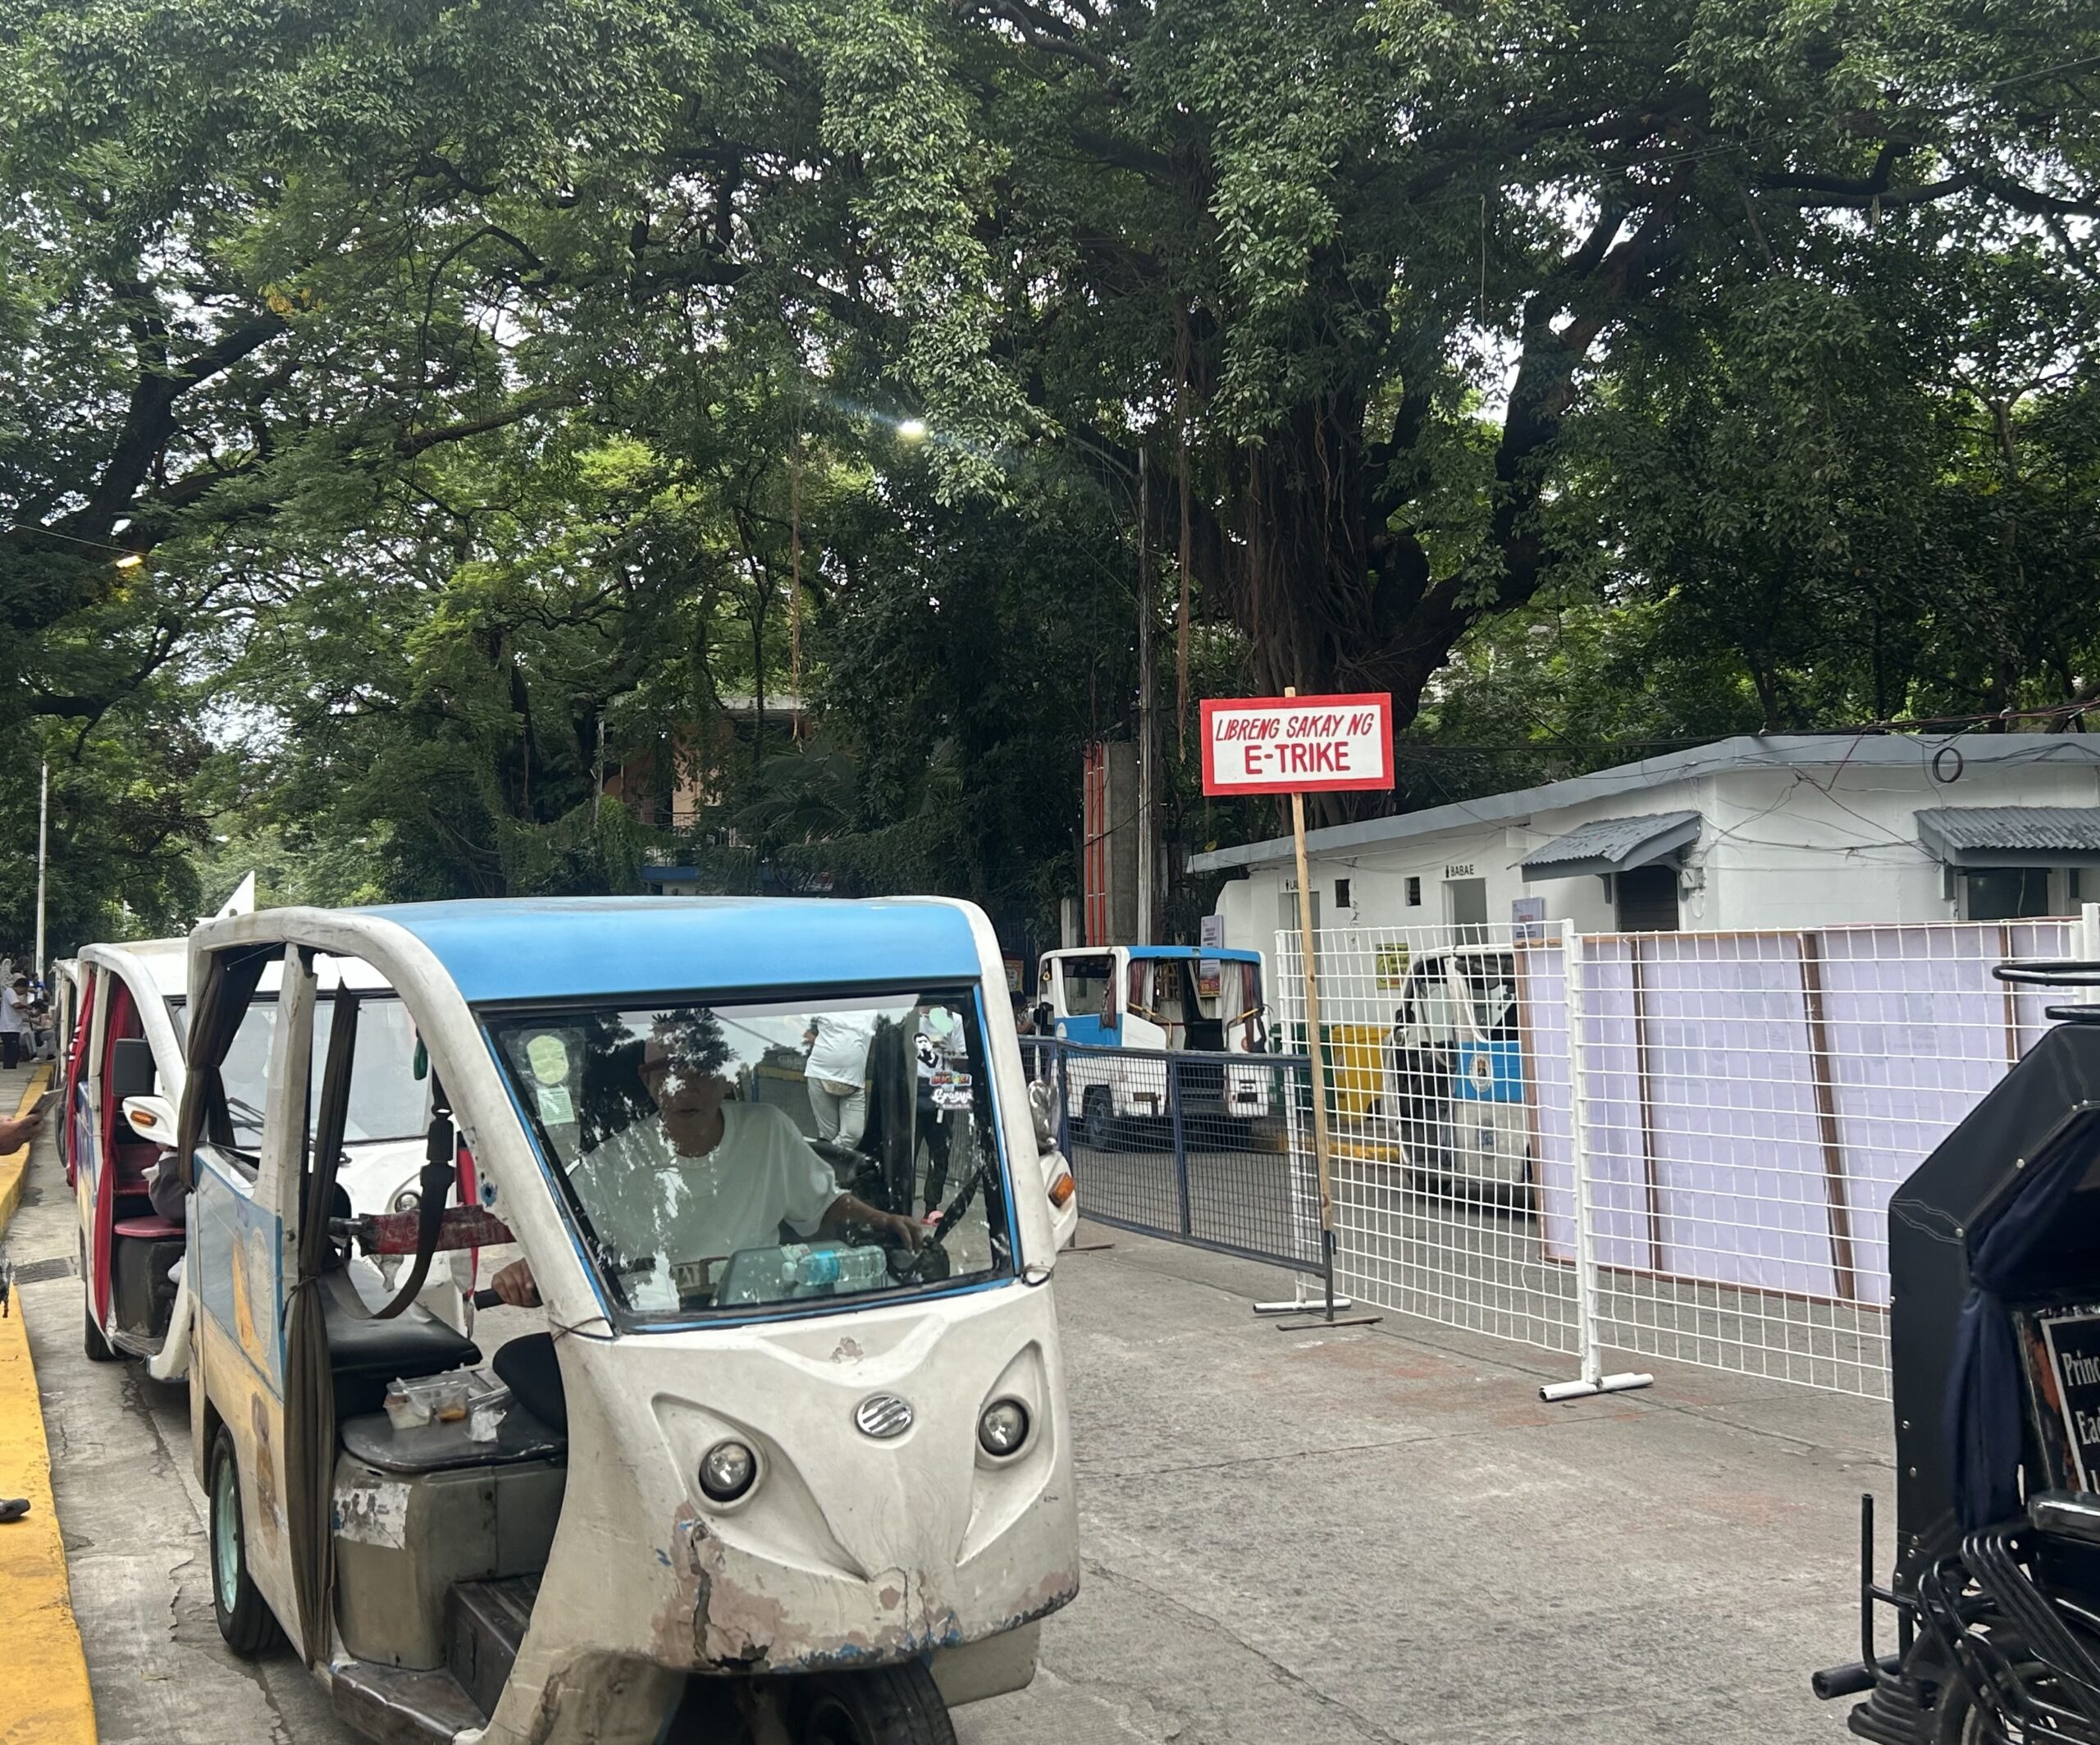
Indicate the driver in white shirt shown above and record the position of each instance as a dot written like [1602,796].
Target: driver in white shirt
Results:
[711,1172]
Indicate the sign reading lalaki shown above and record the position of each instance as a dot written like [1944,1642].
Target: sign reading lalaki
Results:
[1298,744]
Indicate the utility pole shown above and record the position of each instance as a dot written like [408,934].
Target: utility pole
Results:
[598,768]
[43,858]
[1148,820]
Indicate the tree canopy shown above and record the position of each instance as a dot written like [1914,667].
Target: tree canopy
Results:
[409,413]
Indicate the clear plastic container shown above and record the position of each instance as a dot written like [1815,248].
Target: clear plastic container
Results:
[431,1399]
[840,1269]
[485,1411]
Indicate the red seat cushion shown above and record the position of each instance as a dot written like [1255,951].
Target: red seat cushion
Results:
[153,1229]
[134,1157]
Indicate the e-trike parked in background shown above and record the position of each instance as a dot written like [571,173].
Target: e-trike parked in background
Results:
[1994,1333]
[784,1465]
[1454,1077]
[123,1071]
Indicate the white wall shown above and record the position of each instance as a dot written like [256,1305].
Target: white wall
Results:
[1787,848]
[1252,906]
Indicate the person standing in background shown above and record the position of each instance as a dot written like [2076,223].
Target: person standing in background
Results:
[940,1036]
[16,1031]
[837,1072]
[44,1038]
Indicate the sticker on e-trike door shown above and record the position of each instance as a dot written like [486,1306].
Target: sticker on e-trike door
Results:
[2074,1343]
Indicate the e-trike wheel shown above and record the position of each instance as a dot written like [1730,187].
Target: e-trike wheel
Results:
[244,1618]
[887,1706]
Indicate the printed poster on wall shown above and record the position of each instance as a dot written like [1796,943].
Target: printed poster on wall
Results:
[1210,937]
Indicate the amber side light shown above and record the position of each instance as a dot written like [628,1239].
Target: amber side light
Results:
[1061,1191]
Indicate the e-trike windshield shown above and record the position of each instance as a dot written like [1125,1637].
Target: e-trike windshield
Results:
[749,1155]
[386,1098]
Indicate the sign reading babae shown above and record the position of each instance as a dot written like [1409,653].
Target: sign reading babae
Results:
[1298,744]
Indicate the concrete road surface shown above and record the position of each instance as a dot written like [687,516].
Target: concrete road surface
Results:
[1290,1539]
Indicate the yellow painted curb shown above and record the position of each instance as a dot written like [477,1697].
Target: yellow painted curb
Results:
[44,1698]
[14,1166]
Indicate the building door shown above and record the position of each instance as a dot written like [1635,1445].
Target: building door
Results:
[1287,909]
[1465,902]
[1647,899]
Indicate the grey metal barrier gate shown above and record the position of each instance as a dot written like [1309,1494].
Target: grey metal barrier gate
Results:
[1193,1147]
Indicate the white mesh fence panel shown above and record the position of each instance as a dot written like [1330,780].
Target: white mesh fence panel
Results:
[1447,1069]
[1751,1100]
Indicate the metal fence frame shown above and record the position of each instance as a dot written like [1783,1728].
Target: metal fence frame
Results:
[1226,1182]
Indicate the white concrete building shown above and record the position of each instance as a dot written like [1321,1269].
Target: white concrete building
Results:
[1752,833]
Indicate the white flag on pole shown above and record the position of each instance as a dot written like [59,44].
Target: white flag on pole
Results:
[241,902]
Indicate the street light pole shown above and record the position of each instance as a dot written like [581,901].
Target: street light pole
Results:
[1148,727]
[43,858]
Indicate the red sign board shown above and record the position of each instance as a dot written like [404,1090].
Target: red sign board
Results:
[1298,744]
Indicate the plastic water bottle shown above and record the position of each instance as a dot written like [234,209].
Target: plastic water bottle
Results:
[817,1268]
[840,1269]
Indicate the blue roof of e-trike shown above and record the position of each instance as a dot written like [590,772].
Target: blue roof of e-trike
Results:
[569,947]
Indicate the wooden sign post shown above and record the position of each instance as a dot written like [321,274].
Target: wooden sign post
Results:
[1295,745]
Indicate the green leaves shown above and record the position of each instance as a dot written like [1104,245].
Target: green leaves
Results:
[489,386]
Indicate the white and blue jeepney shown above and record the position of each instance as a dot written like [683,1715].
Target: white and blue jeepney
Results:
[1122,1006]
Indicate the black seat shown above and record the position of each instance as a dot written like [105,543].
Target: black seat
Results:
[366,1354]
[529,1368]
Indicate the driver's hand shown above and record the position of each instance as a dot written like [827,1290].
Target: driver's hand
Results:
[906,1230]
[514,1285]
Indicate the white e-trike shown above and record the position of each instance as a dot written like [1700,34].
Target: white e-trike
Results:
[783,1460]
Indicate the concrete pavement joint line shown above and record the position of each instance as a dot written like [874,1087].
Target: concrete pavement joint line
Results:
[1420,1439]
[1282,1674]
[44,1697]
[1423,1333]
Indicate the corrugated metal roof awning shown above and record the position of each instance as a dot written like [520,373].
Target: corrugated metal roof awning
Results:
[1612,845]
[2012,835]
